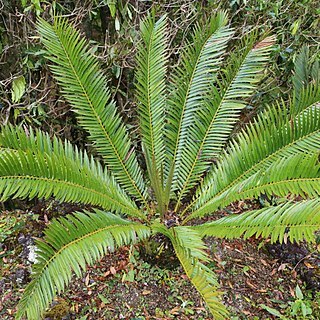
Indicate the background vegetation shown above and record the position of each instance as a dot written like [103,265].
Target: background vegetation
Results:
[29,95]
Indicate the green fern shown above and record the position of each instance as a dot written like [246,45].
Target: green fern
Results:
[297,174]
[33,166]
[70,244]
[250,153]
[186,118]
[216,120]
[189,248]
[191,83]
[151,89]
[288,221]
[84,86]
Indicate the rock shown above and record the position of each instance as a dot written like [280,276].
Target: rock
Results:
[28,248]
[21,276]
[21,238]
[32,256]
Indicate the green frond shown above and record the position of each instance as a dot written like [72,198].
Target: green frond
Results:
[293,221]
[69,245]
[216,119]
[151,89]
[296,175]
[151,94]
[301,74]
[84,86]
[306,81]
[191,82]
[37,141]
[271,137]
[308,96]
[189,248]
[33,166]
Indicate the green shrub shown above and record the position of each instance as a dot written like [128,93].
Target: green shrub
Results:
[193,166]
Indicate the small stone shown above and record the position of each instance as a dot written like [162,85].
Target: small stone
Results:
[32,256]
[21,238]
[20,276]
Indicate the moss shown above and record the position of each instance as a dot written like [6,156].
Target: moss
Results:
[59,310]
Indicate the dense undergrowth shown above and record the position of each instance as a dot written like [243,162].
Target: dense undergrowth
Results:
[112,27]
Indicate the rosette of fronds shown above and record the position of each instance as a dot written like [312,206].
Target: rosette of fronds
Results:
[195,162]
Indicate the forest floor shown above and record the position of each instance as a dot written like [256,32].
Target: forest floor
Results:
[258,280]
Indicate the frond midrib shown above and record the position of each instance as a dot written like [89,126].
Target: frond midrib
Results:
[279,182]
[149,99]
[102,126]
[8,149]
[288,225]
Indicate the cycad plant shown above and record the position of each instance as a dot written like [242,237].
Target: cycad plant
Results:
[195,161]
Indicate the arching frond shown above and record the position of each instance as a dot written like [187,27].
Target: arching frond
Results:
[296,175]
[306,81]
[84,86]
[309,95]
[257,147]
[293,221]
[151,93]
[69,245]
[37,141]
[44,170]
[151,89]
[189,249]
[216,119]
[190,86]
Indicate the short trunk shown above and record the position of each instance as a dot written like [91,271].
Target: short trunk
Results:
[158,250]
